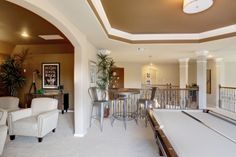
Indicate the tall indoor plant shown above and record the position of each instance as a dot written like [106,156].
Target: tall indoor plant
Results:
[105,64]
[11,73]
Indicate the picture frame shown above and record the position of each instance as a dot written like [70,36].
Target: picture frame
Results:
[92,73]
[50,75]
[208,81]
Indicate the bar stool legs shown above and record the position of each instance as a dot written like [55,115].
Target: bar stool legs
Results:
[100,117]
[124,112]
[142,112]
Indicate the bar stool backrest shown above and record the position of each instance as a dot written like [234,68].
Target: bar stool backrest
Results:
[154,89]
[96,94]
[93,93]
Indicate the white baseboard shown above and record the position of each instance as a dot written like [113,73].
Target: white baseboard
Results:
[79,135]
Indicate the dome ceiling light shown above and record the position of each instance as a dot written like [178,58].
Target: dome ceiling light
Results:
[196,6]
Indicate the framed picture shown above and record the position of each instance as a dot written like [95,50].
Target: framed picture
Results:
[92,73]
[51,75]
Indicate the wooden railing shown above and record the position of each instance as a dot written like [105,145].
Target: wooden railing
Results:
[173,98]
[167,85]
[227,98]
[165,98]
[177,98]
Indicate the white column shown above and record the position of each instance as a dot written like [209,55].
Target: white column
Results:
[201,77]
[219,64]
[183,80]
[183,72]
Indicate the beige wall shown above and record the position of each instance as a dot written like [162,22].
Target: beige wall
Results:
[230,73]
[168,73]
[134,73]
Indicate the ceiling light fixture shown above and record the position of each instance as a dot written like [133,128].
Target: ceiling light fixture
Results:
[25,34]
[104,51]
[196,6]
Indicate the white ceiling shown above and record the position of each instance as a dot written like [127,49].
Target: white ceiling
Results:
[83,17]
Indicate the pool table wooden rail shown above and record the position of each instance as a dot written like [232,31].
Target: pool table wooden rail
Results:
[165,148]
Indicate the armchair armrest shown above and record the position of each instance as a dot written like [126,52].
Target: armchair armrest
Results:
[20,114]
[3,135]
[47,121]
[3,116]
[16,115]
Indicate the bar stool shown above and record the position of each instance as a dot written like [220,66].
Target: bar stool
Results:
[123,114]
[93,93]
[148,103]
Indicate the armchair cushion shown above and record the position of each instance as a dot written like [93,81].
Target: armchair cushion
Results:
[26,126]
[9,103]
[40,105]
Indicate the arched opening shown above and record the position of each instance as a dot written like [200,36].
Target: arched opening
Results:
[78,40]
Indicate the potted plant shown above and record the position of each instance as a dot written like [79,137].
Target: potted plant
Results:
[11,73]
[105,64]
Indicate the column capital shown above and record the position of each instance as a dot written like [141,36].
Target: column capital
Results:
[183,60]
[202,56]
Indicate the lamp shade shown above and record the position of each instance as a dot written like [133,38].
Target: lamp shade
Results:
[196,6]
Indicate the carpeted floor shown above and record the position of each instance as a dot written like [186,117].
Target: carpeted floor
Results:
[136,141]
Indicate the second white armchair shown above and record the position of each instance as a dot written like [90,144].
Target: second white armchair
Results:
[36,121]
[3,129]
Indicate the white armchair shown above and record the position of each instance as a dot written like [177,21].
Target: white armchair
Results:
[9,103]
[3,129]
[36,121]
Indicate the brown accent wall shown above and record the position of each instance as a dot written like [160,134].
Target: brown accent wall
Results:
[6,48]
[34,61]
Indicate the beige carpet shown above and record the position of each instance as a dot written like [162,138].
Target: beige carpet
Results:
[136,141]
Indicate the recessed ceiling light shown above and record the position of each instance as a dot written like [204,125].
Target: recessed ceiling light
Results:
[24,34]
[51,37]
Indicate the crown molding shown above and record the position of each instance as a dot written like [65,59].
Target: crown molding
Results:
[224,32]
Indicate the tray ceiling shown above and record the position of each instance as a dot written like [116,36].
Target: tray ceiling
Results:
[156,20]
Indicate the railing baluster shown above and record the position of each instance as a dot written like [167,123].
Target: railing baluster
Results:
[227,98]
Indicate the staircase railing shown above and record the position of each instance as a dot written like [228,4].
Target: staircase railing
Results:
[173,97]
[227,98]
